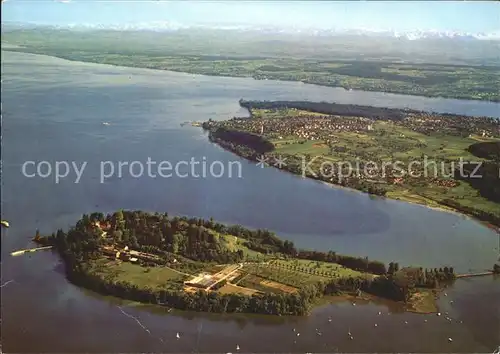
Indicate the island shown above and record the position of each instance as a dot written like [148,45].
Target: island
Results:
[202,265]
[444,161]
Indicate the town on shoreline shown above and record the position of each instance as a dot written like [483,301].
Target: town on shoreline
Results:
[444,154]
[202,265]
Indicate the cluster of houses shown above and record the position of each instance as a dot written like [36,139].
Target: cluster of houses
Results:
[448,183]
[428,123]
[124,254]
[128,255]
[312,127]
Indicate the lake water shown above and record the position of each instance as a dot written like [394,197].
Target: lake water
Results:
[53,110]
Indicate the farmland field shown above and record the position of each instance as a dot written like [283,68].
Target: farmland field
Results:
[233,289]
[323,269]
[261,284]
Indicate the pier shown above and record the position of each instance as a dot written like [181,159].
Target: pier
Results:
[193,124]
[20,252]
[470,275]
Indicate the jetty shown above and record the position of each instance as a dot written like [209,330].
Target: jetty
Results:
[470,275]
[193,124]
[20,252]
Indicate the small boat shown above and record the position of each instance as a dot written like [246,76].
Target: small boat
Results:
[376,325]
[177,335]
[5,223]
[237,347]
[450,340]
[105,123]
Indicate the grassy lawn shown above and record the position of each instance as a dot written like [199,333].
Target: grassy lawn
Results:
[154,277]
[234,243]
[314,148]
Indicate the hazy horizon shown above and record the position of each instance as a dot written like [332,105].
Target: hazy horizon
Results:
[466,17]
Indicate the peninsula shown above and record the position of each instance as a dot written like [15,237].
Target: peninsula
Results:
[445,161]
[202,265]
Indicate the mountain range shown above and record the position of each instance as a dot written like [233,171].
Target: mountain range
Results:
[165,26]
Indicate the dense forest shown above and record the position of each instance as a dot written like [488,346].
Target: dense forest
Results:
[198,240]
[348,110]
[255,143]
[486,150]
[486,176]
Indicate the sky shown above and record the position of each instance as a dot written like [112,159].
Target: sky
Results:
[463,16]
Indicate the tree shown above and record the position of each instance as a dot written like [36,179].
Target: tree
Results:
[496,268]
[117,235]
[119,221]
[126,236]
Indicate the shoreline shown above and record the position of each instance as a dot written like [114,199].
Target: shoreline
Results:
[144,273]
[251,77]
[439,207]
[87,282]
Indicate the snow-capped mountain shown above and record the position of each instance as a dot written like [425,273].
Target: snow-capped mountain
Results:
[161,26]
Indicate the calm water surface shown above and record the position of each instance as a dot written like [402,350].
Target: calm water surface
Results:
[53,110]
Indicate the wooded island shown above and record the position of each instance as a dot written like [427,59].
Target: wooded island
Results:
[202,265]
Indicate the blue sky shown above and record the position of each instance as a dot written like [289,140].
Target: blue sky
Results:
[467,16]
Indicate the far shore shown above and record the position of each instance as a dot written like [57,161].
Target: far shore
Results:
[437,207]
[11,48]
